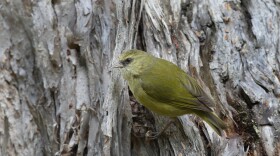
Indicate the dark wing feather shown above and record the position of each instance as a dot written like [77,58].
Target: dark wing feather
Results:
[192,86]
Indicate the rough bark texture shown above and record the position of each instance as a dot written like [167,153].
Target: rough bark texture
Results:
[60,96]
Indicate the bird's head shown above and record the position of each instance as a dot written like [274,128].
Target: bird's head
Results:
[133,62]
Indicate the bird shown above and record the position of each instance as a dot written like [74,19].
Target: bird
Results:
[165,89]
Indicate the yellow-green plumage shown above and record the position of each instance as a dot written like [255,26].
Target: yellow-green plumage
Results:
[164,88]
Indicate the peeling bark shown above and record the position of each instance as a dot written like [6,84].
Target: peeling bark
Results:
[59,94]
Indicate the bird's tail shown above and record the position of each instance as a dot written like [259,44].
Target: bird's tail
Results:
[213,120]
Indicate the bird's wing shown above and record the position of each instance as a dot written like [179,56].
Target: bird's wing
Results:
[192,86]
[166,83]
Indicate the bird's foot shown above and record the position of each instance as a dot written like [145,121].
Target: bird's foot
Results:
[150,135]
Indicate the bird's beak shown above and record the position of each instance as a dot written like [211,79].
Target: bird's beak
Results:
[117,65]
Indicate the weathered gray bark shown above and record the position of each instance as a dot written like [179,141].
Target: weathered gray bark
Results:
[59,94]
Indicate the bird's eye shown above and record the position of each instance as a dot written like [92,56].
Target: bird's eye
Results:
[126,61]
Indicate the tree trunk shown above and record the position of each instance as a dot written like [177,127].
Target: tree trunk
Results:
[59,94]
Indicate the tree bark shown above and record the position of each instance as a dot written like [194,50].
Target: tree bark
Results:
[59,94]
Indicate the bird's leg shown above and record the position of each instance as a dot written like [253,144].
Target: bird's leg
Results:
[154,135]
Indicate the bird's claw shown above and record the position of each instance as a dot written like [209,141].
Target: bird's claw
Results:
[152,135]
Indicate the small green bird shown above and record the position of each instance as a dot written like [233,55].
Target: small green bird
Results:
[166,89]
